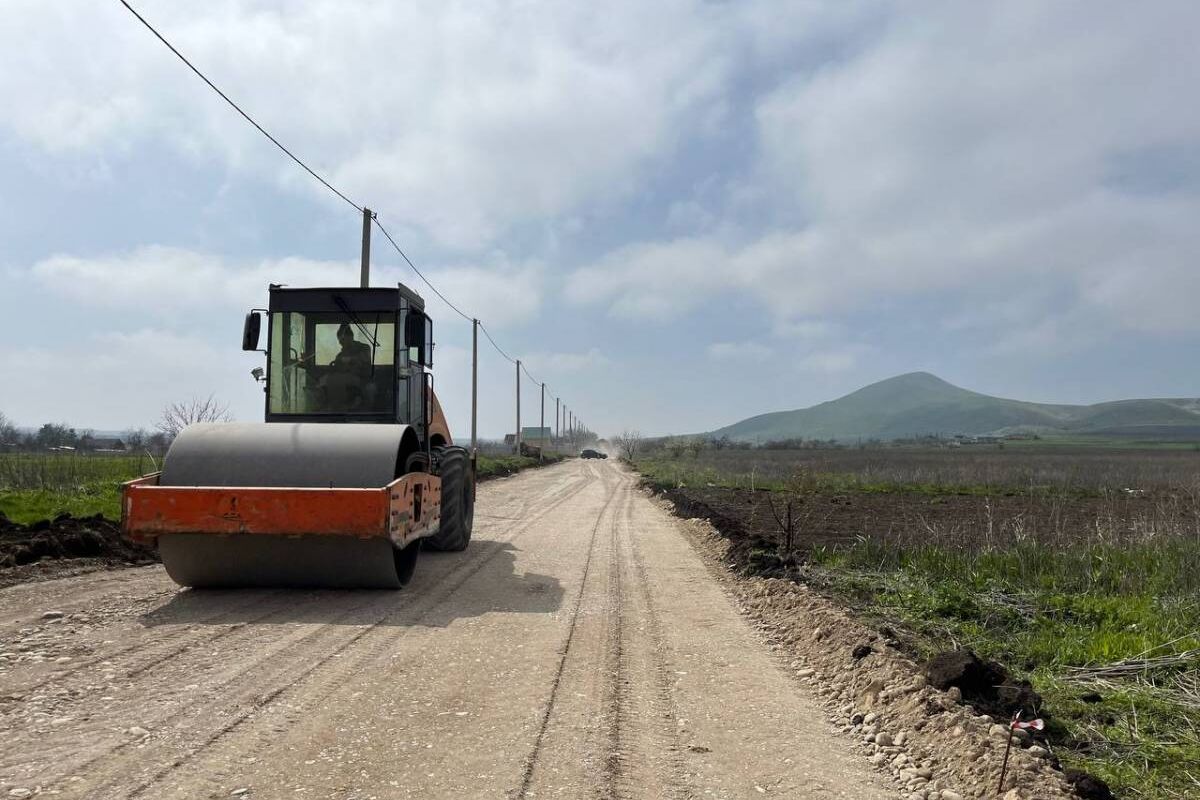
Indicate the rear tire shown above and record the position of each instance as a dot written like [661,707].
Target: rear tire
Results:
[458,500]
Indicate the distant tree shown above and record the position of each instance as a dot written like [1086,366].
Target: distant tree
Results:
[56,434]
[87,440]
[628,444]
[135,438]
[177,416]
[9,435]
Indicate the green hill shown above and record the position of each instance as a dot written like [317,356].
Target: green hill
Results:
[918,403]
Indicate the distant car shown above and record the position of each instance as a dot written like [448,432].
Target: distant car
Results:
[593,454]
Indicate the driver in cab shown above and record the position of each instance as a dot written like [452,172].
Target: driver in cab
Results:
[346,380]
[341,386]
[354,357]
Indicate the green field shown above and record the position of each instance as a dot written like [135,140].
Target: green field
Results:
[1078,569]
[36,486]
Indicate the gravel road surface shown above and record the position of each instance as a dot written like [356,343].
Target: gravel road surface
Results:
[578,649]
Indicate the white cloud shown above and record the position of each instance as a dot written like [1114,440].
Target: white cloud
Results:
[565,363]
[463,118]
[162,281]
[739,351]
[1015,151]
[833,359]
[126,378]
[655,279]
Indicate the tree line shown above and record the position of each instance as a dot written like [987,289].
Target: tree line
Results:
[62,436]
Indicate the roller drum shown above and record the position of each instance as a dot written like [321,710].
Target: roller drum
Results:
[302,455]
[284,454]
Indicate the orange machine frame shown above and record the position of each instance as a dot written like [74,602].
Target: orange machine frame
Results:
[407,509]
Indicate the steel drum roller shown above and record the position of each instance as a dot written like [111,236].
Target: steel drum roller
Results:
[282,455]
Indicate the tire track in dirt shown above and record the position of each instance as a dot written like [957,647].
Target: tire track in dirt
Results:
[402,618]
[46,595]
[649,721]
[567,652]
[265,686]
[615,666]
[374,666]
[194,635]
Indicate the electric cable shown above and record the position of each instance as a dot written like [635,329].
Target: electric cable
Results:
[238,108]
[499,350]
[420,275]
[357,207]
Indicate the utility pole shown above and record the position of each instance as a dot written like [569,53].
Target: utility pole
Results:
[517,440]
[474,389]
[557,430]
[364,277]
[542,424]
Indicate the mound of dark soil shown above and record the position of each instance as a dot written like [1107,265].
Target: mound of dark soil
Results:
[65,538]
[986,685]
[1088,786]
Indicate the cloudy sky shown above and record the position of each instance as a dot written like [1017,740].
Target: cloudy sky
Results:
[679,213]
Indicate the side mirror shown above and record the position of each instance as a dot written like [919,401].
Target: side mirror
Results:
[250,330]
[414,334]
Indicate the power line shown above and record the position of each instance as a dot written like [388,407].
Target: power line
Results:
[238,108]
[528,375]
[324,183]
[483,328]
[420,275]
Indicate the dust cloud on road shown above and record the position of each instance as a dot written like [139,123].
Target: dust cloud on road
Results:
[578,649]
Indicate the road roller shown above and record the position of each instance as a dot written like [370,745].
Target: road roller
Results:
[351,472]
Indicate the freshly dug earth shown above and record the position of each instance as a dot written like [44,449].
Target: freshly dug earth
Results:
[63,546]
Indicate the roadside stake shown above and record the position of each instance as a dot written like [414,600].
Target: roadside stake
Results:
[1033,724]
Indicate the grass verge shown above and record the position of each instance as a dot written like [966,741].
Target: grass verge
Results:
[1108,635]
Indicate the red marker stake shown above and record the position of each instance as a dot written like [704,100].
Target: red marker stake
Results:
[1007,748]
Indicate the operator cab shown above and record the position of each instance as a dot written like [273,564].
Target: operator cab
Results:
[345,355]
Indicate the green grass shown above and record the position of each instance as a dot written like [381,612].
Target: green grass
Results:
[1042,611]
[36,486]
[499,466]
[30,505]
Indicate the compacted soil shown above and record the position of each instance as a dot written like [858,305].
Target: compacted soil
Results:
[581,647]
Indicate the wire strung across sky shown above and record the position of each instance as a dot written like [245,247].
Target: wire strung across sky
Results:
[356,206]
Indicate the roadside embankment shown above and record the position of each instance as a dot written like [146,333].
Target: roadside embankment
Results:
[1082,607]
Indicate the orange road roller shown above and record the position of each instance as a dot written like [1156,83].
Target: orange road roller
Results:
[351,472]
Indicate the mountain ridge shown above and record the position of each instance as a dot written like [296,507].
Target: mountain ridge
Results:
[920,403]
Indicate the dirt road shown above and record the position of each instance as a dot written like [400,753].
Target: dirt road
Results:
[578,649]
